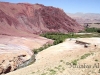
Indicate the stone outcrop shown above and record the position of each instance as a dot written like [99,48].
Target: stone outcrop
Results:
[16,52]
[12,56]
[23,19]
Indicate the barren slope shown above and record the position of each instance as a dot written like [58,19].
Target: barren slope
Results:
[15,51]
[23,18]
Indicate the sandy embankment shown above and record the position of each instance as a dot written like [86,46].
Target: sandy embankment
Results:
[60,54]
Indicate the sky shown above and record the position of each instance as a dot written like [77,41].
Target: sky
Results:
[69,6]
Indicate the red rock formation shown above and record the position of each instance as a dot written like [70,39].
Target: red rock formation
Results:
[23,18]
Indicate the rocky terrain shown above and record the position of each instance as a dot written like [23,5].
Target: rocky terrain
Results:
[17,52]
[25,18]
[59,59]
[19,24]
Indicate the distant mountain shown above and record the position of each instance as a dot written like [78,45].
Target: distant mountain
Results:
[85,18]
[24,18]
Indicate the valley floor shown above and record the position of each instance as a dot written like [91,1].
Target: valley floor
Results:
[67,58]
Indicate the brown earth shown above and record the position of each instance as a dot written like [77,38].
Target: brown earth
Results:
[15,51]
[19,24]
[57,60]
[23,18]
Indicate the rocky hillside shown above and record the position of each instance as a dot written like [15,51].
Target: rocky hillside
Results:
[17,52]
[23,18]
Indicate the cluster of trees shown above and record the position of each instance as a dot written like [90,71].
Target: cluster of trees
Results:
[58,37]
[92,30]
[41,48]
[96,23]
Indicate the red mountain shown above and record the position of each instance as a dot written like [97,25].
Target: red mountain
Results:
[24,18]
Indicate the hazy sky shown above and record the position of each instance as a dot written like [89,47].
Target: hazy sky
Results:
[70,6]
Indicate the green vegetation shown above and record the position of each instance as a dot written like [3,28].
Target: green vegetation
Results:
[33,72]
[62,61]
[58,68]
[63,68]
[74,62]
[85,55]
[60,37]
[44,74]
[52,72]
[91,30]
[99,71]
[96,23]
[96,59]
[41,48]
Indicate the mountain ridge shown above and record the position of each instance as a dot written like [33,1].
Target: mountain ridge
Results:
[34,19]
[82,18]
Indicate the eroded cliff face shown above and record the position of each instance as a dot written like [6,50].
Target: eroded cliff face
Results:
[22,18]
[17,52]
[12,56]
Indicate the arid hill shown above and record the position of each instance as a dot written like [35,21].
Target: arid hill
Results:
[19,24]
[82,18]
[23,18]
